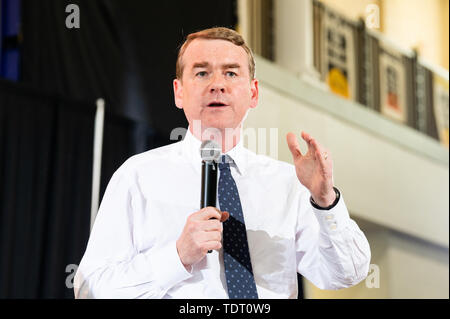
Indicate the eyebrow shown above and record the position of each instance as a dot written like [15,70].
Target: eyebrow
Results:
[231,66]
[200,65]
[224,66]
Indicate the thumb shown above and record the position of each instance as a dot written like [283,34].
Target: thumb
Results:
[224,216]
[293,145]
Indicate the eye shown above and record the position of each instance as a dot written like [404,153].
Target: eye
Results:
[201,74]
[231,74]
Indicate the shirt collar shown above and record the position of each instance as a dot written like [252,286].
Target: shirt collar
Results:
[191,149]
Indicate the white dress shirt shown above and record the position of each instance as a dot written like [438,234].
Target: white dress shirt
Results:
[132,252]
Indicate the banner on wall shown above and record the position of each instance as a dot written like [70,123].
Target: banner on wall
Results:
[338,55]
[392,84]
[441,107]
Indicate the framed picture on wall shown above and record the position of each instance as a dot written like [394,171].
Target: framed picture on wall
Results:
[392,74]
[338,54]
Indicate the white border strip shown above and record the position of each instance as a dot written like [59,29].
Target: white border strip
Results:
[391,43]
[97,158]
[439,70]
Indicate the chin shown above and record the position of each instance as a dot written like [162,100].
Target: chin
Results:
[217,123]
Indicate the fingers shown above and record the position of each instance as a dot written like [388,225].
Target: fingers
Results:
[212,225]
[313,146]
[201,233]
[309,140]
[306,136]
[210,218]
[206,213]
[209,236]
[293,145]
[211,245]
[319,152]
[210,212]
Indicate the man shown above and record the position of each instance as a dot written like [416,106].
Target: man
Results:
[150,240]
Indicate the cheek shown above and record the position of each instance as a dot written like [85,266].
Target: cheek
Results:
[192,97]
[243,97]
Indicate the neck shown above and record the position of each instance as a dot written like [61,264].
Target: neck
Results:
[228,138]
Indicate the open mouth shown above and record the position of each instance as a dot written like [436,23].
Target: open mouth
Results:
[216,104]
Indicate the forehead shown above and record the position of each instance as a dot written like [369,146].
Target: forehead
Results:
[214,52]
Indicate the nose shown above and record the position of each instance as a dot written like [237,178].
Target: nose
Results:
[216,89]
[217,85]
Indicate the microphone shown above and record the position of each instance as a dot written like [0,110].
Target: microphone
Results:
[210,153]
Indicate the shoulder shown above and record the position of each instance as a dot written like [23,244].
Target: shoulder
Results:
[151,159]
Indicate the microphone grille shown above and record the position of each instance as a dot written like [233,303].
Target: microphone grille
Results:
[210,151]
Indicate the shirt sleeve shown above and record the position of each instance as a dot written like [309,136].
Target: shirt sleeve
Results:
[332,252]
[112,266]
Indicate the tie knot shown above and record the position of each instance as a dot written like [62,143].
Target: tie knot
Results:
[224,163]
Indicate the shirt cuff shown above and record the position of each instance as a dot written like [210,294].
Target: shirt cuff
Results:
[338,195]
[334,219]
[167,266]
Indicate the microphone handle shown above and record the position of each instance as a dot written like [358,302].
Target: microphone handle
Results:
[209,185]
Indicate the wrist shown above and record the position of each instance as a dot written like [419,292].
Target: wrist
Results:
[327,202]
[188,267]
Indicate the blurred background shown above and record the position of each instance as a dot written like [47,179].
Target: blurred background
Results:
[86,84]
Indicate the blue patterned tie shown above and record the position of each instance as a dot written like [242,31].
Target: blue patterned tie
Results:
[236,256]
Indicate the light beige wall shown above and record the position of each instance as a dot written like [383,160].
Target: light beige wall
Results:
[417,24]
[445,35]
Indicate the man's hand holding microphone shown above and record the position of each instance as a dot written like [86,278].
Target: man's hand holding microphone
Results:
[202,232]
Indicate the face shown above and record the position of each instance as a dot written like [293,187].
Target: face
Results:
[216,87]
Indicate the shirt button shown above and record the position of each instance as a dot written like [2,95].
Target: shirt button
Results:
[329,216]
[333,226]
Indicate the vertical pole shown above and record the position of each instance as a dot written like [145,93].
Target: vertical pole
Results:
[97,158]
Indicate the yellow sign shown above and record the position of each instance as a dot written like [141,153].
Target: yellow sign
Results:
[338,83]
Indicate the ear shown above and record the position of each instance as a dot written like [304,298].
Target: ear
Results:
[178,93]
[254,93]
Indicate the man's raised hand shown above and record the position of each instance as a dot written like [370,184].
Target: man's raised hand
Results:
[314,169]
